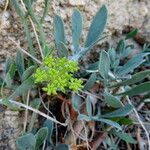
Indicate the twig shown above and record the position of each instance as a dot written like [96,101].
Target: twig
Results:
[37,111]
[137,115]
[140,121]
[24,51]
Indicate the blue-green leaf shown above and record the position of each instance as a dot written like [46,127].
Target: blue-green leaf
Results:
[50,126]
[112,100]
[89,84]
[76,102]
[28,72]
[41,136]
[20,63]
[76,29]
[26,142]
[109,122]
[124,136]
[142,88]
[34,104]
[123,111]
[89,105]
[8,64]
[84,117]
[97,26]
[62,50]
[59,31]
[134,79]
[62,147]
[104,64]
[24,87]
[132,64]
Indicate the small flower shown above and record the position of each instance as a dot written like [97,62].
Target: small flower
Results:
[57,73]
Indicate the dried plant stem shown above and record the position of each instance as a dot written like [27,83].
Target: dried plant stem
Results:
[33,26]
[140,121]
[37,111]
[138,118]
[24,51]
[137,115]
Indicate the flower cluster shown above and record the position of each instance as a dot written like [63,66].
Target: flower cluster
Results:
[57,75]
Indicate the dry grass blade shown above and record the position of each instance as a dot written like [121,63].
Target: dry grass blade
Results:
[24,51]
[38,112]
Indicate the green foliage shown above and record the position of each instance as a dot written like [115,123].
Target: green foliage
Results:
[115,74]
[50,126]
[132,34]
[62,147]
[104,64]
[144,87]
[41,136]
[76,29]
[121,112]
[134,79]
[124,136]
[94,35]
[97,26]
[112,100]
[26,142]
[91,81]
[24,87]
[20,63]
[30,141]
[58,75]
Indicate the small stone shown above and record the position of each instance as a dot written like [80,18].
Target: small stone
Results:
[77,2]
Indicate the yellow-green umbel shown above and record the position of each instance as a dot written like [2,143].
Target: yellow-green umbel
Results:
[56,74]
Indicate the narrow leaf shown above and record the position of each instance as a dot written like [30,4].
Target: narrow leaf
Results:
[89,84]
[84,117]
[50,126]
[8,63]
[124,136]
[34,104]
[132,64]
[41,137]
[17,8]
[24,87]
[62,50]
[97,26]
[112,100]
[123,111]
[131,34]
[142,88]
[104,64]
[28,72]
[109,122]
[20,63]
[88,106]
[76,102]
[59,31]
[76,29]
[134,79]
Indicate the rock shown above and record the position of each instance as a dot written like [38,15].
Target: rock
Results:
[77,2]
